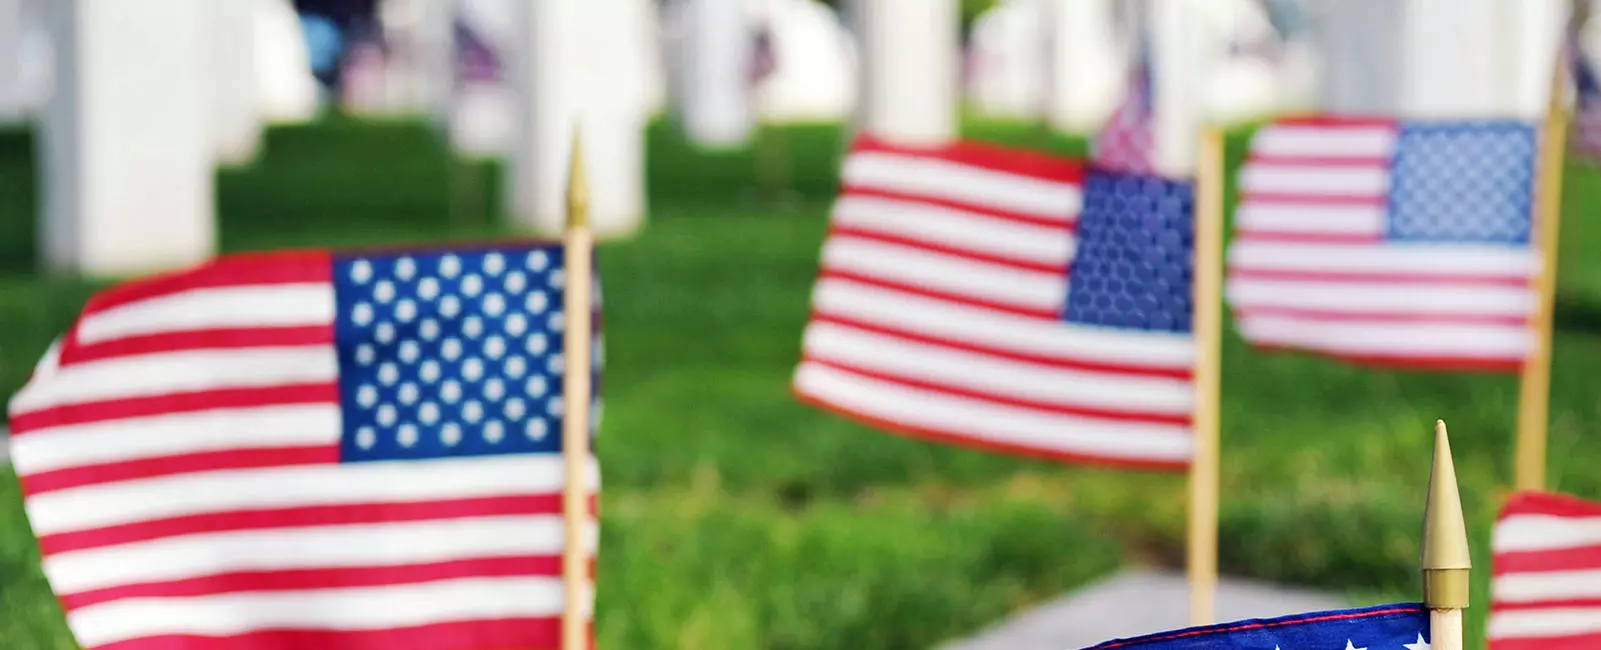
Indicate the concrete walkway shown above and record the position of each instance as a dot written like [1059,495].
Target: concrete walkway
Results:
[1137,602]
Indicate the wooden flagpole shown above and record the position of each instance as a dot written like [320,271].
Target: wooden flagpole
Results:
[579,246]
[1534,392]
[1447,563]
[1207,328]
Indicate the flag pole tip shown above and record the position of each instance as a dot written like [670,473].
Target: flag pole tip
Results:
[577,184]
[1447,563]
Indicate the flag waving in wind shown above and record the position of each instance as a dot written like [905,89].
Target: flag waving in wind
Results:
[307,450]
[1007,300]
[1385,627]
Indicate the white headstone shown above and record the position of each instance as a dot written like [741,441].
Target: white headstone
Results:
[235,107]
[716,97]
[126,153]
[814,75]
[1182,52]
[26,59]
[286,89]
[575,69]
[1086,65]
[909,55]
[1008,59]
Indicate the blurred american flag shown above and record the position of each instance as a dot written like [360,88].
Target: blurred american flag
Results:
[1546,586]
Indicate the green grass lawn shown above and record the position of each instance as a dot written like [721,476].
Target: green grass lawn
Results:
[735,518]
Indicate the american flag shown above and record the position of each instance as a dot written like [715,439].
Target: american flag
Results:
[1587,101]
[1546,588]
[1128,142]
[1393,243]
[1383,627]
[307,450]
[945,308]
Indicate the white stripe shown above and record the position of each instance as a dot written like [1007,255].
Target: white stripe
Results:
[1316,180]
[1363,297]
[978,280]
[943,179]
[949,367]
[1531,532]
[173,372]
[1017,334]
[276,305]
[1544,623]
[1325,141]
[1310,219]
[125,439]
[1507,342]
[956,228]
[1536,586]
[991,422]
[356,608]
[321,547]
[1462,259]
[95,506]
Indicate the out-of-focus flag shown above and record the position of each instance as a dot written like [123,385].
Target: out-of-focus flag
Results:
[1385,627]
[1128,142]
[1007,300]
[1587,101]
[764,58]
[307,450]
[1393,243]
[1546,589]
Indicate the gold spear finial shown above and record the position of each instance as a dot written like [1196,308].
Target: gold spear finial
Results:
[577,185]
[1446,562]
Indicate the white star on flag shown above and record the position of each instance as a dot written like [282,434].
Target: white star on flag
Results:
[1420,645]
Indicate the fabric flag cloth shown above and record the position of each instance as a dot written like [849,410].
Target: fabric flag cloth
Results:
[1384,627]
[1403,244]
[1545,591]
[945,308]
[308,450]
[1128,141]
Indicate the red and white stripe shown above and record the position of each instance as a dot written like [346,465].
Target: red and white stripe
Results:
[1546,589]
[1310,269]
[178,453]
[936,313]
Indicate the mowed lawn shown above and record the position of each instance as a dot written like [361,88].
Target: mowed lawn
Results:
[735,518]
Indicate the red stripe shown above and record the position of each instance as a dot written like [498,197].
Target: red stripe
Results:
[1059,408]
[850,232]
[1307,198]
[1571,642]
[1358,276]
[1405,362]
[303,516]
[1562,559]
[275,267]
[985,210]
[322,578]
[945,296]
[1255,158]
[1550,503]
[1377,316]
[1285,237]
[1051,361]
[61,479]
[986,444]
[319,393]
[988,156]
[497,634]
[208,339]
[1549,604]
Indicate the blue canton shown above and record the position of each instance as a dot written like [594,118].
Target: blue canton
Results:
[1134,263]
[1463,182]
[451,353]
[1385,627]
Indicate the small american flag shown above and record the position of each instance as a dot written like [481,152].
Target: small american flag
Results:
[945,308]
[1128,143]
[1402,626]
[1546,589]
[307,450]
[1395,243]
[1587,101]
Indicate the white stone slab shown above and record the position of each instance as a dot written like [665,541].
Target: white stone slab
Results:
[1137,602]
